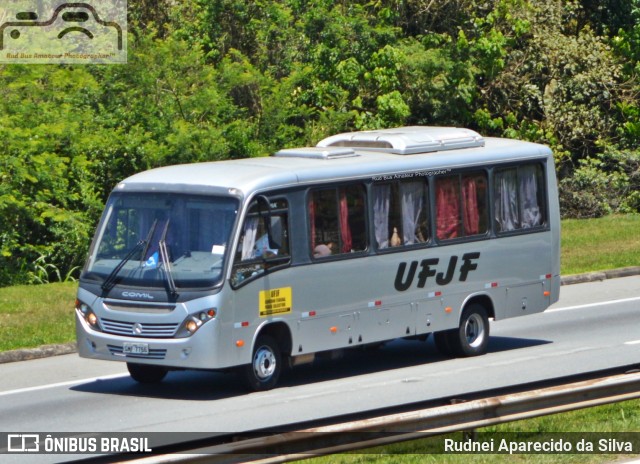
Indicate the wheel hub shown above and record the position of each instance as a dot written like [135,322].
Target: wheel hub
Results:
[474,330]
[264,363]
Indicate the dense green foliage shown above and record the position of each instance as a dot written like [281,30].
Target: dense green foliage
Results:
[226,79]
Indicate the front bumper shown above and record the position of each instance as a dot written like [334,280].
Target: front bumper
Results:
[198,351]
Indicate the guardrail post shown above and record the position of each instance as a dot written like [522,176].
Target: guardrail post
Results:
[467,434]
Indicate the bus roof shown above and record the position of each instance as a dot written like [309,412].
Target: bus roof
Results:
[338,159]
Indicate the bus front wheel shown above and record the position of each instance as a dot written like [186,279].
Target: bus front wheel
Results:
[266,365]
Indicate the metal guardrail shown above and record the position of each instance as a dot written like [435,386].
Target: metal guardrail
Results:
[360,434]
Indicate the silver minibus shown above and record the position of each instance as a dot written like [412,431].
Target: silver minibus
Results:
[259,264]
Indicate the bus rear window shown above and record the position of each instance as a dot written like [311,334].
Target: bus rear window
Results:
[519,198]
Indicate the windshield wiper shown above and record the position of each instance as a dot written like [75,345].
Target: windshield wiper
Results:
[147,239]
[166,265]
[110,281]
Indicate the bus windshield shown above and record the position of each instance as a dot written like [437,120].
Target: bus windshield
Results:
[175,241]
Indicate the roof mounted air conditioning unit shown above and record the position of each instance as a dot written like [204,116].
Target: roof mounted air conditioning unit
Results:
[407,140]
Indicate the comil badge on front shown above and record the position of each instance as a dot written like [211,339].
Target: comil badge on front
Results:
[43,31]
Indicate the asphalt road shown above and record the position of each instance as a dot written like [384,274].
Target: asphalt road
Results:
[595,325]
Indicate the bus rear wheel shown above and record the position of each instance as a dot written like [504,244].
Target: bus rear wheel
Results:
[472,336]
[266,365]
[144,373]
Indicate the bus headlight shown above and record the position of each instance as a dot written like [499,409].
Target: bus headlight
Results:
[195,321]
[92,319]
[192,325]
[88,315]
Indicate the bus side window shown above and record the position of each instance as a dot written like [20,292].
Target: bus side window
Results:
[519,198]
[337,220]
[461,205]
[400,213]
[255,253]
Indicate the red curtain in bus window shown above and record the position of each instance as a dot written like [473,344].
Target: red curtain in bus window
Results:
[447,208]
[470,205]
[345,230]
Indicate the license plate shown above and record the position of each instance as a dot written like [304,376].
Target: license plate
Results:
[135,348]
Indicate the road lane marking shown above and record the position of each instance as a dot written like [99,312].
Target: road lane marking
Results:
[634,342]
[61,384]
[593,305]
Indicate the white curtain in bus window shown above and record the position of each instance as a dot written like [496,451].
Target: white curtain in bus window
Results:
[399,214]
[506,200]
[517,198]
[250,233]
[412,196]
[381,200]
[531,215]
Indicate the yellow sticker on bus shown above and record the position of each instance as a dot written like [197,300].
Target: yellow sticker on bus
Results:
[275,301]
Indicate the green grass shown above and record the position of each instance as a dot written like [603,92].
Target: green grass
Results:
[597,422]
[34,315]
[599,244]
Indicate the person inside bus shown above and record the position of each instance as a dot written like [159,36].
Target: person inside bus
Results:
[323,250]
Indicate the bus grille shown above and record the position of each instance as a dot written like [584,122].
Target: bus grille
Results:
[131,307]
[153,354]
[146,330]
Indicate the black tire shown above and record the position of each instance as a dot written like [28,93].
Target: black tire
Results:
[472,336]
[145,373]
[266,365]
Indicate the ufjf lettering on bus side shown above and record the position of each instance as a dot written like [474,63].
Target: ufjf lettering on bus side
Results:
[403,283]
